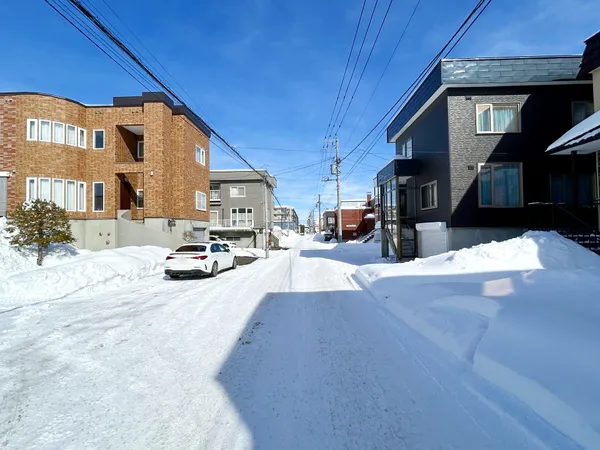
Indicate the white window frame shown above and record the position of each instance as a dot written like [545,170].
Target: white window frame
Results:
[79,130]
[62,192]
[40,179]
[49,122]
[29,196]
[94,139]
[202,158]
[237,213]
[215,211]
[238,188]
[94,196]
[138,149]
[35,130]
[137,198]
[436,202]
[67,195]
[67,135]
[491,105]
[79,200]
[64,134]
[199,201]
[480,165]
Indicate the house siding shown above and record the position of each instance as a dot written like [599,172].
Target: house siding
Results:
[545,116]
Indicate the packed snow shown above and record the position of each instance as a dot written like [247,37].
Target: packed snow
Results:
[287,352]
[524,313]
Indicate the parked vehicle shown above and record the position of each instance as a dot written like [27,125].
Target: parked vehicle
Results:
[225,244]
[199,258]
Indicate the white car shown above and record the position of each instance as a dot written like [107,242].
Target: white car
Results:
[225,244]
[198,258]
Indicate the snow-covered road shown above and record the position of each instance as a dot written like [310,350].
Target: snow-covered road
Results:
[285,353]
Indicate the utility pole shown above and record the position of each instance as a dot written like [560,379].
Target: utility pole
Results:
[266,229]
[337,176]
[319,221]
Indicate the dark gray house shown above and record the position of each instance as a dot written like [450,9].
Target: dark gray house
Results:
[471,163]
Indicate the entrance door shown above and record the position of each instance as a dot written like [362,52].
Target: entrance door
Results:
[3,195]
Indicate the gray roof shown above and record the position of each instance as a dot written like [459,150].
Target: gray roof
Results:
[242,175]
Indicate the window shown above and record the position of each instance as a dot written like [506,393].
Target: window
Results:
[71,195]
[561,188]
[98,196]
[59,132]
[214,218]
[72,135]
[200,201]
[44,186]
[233,238]
[500,185]
[58,192]
[406,148]
[237,191]
[191,248]
[242,217]
[581,111]
[45,131]
[82,137]
[200,155]
[429,196]
[31,189]
[140,149]
[498,118]
[32,129]
[98,143]
[140,199]
[81,196]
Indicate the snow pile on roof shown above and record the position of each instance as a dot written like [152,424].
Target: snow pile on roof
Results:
[370,216]
[79,273]
[524,313]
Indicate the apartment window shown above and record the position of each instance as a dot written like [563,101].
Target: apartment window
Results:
[98,143]
[200,201]
[31,189]
[561,189]
[32,129]
[58,192]
[242,217]
[81,196]
[406,148]
[237,191]
[58,132]
[140,149]
[71,195]
[98,196]
[72,135]
[200,155]
[233,238]
[581,111]
[82,137]
[140,199]
[214,218]
[429,198]
[215,192]
[45,131]
[500,185]
[498,118]
[44,187]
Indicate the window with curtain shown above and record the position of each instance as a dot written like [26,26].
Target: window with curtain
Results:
[45,130]
[31,189]
[81,196]
[59,133]
[72,135]
[242,217]
[200,201]
[71,195]
[200,155]
[581,111]
[58,192]
[498,118]
[82,137]
[561,189]
[500,185]
[44,185]
[32,129]
[237,191]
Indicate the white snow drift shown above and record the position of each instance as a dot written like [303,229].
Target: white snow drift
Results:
[524,313]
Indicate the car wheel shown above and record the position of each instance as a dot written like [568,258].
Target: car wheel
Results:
[174,276]
[215,270]
[234,264]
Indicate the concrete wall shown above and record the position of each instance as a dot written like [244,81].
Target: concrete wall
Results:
[131,233]
[467,237]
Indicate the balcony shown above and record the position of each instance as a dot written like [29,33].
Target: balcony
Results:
[231,223]
[215,196]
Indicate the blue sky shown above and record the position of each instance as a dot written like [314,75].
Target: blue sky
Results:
[265,73]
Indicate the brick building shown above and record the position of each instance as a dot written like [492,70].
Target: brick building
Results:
[131,173]
[357,218]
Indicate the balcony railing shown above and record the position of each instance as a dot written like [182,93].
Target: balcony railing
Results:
[232,223]
[215,196]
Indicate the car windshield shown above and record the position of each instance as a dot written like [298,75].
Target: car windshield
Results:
[192,248]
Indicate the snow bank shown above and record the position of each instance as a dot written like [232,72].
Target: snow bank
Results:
[524,313]
[80,273]
[251,252]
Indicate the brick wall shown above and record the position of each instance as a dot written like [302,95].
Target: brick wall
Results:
[8,144]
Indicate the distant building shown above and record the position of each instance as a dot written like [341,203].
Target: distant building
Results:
[286,218]
[358,218]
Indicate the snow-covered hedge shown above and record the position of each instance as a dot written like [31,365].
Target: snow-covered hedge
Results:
[524,313]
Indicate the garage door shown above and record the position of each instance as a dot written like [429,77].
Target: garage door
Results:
[199,234]
[3,195]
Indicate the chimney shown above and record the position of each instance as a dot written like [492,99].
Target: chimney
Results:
[369,198]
